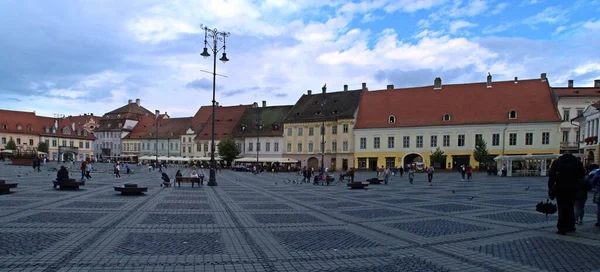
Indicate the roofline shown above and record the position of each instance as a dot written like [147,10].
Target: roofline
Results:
[457,84]
[295,104]
[466,124]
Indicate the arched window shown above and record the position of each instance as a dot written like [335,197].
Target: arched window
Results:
[392,119]
[4,126]
[447,117]
[512,114]
[29,128]
[19,127]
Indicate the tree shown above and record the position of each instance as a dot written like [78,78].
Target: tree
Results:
[438,158]
[10,145]
[43,147]
[228,149]
[480,153]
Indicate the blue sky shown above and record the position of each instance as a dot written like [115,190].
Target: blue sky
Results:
[74,57]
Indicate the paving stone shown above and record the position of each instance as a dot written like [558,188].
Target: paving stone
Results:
[397,264]
[183,206]
[401,200]
[511,202]
[321,240]
[311,199]
[546,253]
[171,244]
[61,218]
[92,205]
[518,217]
[36,195]
[450,207]
[27,243]
[436,227]
[187,198]
[168,219]
[266,206]
[15,203]
[341,204]
[253,199]
[375,213]
[285,218]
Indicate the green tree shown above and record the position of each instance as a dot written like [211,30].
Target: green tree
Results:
[228,150]
[481,152]
[438,158]
[10,145]
[43,147]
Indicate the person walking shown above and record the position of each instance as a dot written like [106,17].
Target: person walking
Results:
[88,170]
[463,171]
[83,170]
[564,175]
[430,171]
[583,187]
[387,174]
[411,175]
[469,172]
[117,171]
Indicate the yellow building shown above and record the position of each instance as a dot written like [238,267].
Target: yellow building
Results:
[21,126]
[67,139]
[302,129]
[403,126]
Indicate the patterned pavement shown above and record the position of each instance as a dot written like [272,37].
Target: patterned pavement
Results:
[267,223]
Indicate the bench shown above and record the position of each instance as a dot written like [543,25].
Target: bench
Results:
[131,189]
[375,181]
[5,187]
[68,184]
[179,180]
[358,185]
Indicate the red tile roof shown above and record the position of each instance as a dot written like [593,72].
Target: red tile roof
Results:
[226,118]
[36,125]
[78,133]
[200,117]
[577,91]
[142,129]
[10,120]
[471,103]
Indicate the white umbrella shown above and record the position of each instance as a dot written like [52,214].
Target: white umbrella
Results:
[6,151]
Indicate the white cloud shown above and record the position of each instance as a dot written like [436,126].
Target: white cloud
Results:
[491,29]
[458,25]
[73,94]
[412,5]
[592,25]
[559,29]
[429,33]
[473,8]
[500,8]
[550,15]
[155,30]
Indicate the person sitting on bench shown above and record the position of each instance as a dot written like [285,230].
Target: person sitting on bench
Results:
[62,174]
[178,174]
[194,174]
[166,180]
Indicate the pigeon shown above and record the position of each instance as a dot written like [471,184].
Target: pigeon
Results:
[471,198]
[453,191]
[527,188]
[276,183]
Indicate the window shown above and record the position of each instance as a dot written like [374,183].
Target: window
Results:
[345,128]
[512,139]
[183,139]
[496,139]
[190,139]
[311,131]
[3,140]
[376,142]
[71,144]
[80,144]
[419,141]
[275,147]
[529,138]
[433,141]
[566,115]
[19,127]
[300,131]
[392,119]
[206,147]
[363,143]
[446,140]
[310,147]
[578,136]
[334,129]
[66,130]
[31,142]
[267,147]
[250,146]
[362,163]
[54,143]
[406,141]
[345,146]
[579,112]
[390,141]
[183,149]
[512,114]
[239,146]
[4,126]
[323,130]
[289,132]
[478,137]
[18,141]
[461,140]
[289,147]
[565,136]
[446,117]
[299,147]
[334,146]
[258,146]
[162,146]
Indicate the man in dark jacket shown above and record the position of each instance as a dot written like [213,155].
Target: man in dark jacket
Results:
[62,174]
[564,175]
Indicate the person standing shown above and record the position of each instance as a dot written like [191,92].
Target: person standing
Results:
[387,174]
[83,169]
[463,171]
[430,171]
[469,172]
[564,175]
[583,187]
[117,171]
[411,175]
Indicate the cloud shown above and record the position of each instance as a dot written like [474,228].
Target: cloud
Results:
[458,25]
[550,15]
[491,29]
[411,6]
[201,84]
[500,8]
[281,95]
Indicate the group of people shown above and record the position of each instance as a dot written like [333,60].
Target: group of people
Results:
[167,180]
[389,172]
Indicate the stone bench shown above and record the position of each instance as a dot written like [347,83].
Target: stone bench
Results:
[68,184]
[5,187]
[179,180]
[358,185]
[131,189]
[375,181]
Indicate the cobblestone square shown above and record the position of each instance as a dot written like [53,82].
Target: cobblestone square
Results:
[261,223]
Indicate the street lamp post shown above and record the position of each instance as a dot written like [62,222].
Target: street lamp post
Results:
[156,132]
[258,126]
[323,101]
[216,36]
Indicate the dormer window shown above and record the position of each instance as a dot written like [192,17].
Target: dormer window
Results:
[108,125]
[66,130]
[243,128]
[47,129]
[512,114]
[19,127]
[120,125]
[150,133]
[85,133]
[447,117]
[4,126]
[317,113]
[30,128]
[392,119]
[118,116]
[335,112]
[54,130]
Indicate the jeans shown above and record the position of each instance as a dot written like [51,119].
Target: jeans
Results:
[83,174]
[429,177]
[579,209]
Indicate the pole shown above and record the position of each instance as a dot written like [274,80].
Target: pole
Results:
[257,138]
[212,179]
[156,125]
[323,131]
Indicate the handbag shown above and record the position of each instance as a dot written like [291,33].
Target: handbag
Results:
[596,198]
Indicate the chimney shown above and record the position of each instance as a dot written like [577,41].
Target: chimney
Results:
[129,101]
[217,104]
[364,86]
[255,105]
[543,77]
[138,101]
[597,83]
[346,88]
[489,80]
[56,124]
[516,80]
[390,86]
[309,92]
[570,83]
[73,126]
[264,104]
[437,83]
[92,114]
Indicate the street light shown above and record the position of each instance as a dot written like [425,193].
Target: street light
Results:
[216,36]
[323,101]
[258,126]
[156,131]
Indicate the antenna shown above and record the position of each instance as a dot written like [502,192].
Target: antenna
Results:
[214,73]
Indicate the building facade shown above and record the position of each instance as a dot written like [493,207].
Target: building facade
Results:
[589,125]
[21,127]
[516,117]
[67,139]
[259,133]
[571,103]
[226,119]
[302,129]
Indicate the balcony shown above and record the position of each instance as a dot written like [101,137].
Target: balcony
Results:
[569,145]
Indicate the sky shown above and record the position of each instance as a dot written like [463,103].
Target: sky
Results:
[73,57]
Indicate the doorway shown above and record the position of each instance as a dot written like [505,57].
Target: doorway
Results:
[345,164]
[313,163]
[373,164]
[460,160]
